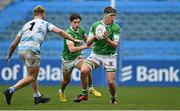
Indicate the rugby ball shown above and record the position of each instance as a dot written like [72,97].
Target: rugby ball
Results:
[100,29]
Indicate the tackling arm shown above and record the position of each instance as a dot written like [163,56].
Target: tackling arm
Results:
[64,34]
[72,48]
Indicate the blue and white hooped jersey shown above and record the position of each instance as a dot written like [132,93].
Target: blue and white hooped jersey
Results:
[33,34]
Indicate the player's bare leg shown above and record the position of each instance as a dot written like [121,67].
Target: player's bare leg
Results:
[112,86]
[90,81]
[85,70]
[64,83]
[90,87]
[31,77]
[84,75]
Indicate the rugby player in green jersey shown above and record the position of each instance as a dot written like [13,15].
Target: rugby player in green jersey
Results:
[103,53]
[72,56]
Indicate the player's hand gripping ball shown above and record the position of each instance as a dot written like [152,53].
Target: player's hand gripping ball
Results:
[100,30]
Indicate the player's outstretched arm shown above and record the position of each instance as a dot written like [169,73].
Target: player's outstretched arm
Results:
[73,48]
[64,34]
[13,47]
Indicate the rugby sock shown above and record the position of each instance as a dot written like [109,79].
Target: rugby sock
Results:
[37,94]
[61,91]
[90,87]
[84,92]
[113,97]
[11,90]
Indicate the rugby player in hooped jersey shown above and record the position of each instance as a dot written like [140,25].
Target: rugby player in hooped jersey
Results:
[29,40]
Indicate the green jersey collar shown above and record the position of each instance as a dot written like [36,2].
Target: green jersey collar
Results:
[74,30]
[105,24]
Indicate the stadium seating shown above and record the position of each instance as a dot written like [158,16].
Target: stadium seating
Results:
[4,3]
[136,26]
[142,21]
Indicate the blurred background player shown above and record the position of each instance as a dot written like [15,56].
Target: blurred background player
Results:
[103,52]
[29,39]
[72,56]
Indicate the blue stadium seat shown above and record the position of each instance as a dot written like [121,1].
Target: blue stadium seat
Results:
[144,21]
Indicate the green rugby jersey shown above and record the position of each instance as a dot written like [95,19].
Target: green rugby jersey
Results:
[67,55]
[101,47]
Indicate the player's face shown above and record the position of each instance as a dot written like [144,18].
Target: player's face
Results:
[110,18]
[75,24]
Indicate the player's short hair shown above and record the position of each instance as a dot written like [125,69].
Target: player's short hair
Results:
[39,10]
[109,10]
[74,16]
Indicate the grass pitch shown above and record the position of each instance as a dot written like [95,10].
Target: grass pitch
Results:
[130,98]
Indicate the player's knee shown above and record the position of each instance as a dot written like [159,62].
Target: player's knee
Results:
[84,71]
[84,74]
[33,79]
